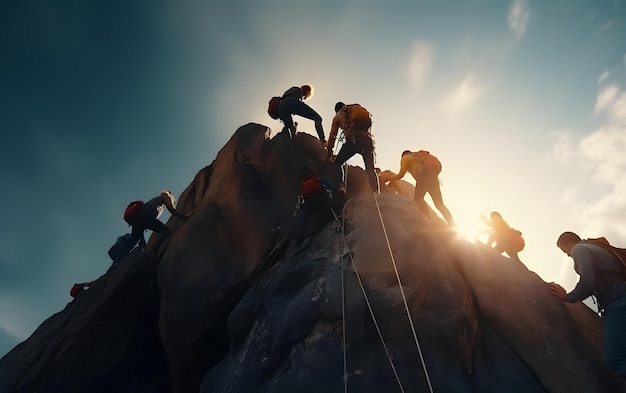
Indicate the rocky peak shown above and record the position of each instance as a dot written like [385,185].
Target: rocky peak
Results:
[388,299]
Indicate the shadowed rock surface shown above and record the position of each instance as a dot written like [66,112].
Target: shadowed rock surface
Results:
[235,305]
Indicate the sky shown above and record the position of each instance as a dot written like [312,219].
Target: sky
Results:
[104,102]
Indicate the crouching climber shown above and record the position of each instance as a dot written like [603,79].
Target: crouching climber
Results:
[316,195]
[144,215]
[506,239]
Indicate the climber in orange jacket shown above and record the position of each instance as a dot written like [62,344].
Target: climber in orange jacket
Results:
[425,169]
[506,239]
[356,123]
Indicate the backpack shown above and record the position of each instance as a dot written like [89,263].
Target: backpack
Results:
[311,186]
[619,253]
[428,161]
[76,289]
[359,117]
[133,211]
[272,107]
[118,249]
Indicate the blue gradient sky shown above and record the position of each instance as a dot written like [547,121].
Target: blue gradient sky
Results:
[104,102]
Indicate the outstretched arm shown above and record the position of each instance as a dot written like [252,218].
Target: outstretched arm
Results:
[168,199]
[334,128]
[404,166]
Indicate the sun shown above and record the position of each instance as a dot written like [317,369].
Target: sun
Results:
[470,228]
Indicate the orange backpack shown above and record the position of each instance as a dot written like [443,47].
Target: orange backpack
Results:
[515,239]
[428,161]
[359,117]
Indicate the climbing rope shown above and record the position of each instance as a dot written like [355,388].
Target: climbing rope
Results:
[344,246]
[343,298]
[406,306]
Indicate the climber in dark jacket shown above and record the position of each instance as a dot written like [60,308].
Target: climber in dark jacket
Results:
[292,103]
[147,218]
[601,275]
[317,194]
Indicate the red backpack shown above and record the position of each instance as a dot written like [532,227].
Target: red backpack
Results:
[311,186]
[133,210]
[272,107]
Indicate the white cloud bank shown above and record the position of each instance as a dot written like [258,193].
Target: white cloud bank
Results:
[599,163]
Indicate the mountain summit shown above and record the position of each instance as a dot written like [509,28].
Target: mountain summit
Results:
[380,299]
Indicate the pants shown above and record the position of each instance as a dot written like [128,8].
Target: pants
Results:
[614,337]
[363,145]
[428,182]
[293,106]
[147,220]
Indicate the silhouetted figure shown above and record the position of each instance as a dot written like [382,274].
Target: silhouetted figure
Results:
[601,275]
[316,195]
[292,103]
[147,218]
[356,123]
[425,169]
[78,288]
[506,239]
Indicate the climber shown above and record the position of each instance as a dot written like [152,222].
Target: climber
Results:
[356,123]
[316,194]
[80,287]
[146,217]
[292,103]
[425,168]
[601,275]
[506,239]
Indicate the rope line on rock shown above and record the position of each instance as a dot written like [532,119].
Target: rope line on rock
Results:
[343,298]
[406,306]
[344,246]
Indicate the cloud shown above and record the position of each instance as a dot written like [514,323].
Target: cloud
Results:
[422,57]
[466,93]
[606,97]
[563,150]
[611,101]
[597,166]
[519,14]
[606,26]
[604,76]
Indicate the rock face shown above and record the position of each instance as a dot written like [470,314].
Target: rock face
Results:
[387,301]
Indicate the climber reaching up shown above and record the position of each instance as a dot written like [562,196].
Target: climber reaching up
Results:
[356,123]
[144,215]
[602,275]
[425,169]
